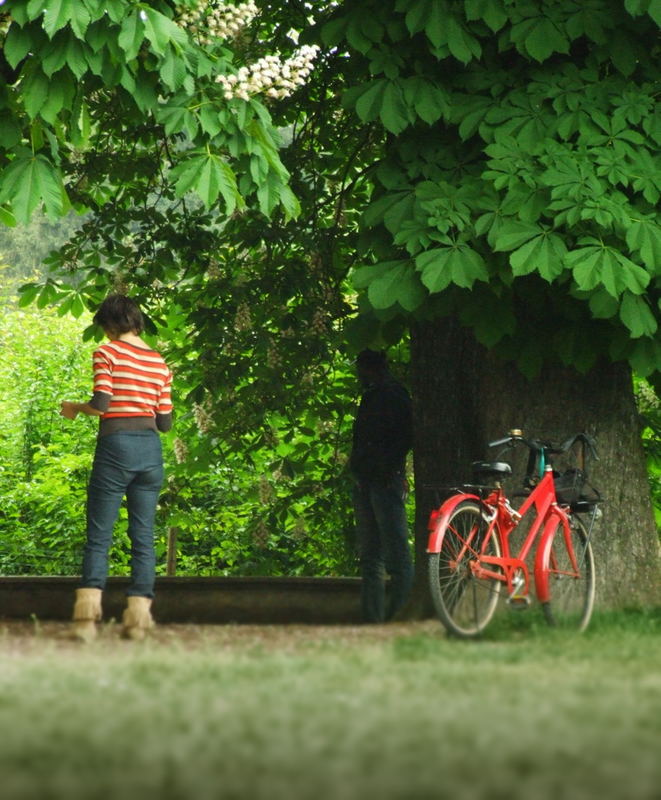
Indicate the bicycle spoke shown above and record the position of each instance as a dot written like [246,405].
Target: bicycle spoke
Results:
[571,590]
[464,603]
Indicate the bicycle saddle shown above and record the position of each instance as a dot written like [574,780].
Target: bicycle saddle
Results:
[494,468]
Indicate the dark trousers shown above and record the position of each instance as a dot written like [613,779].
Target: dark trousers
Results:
[382,532]
[126,464]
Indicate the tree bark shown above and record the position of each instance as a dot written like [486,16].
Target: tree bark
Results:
[464,397]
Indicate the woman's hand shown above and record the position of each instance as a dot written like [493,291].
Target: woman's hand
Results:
[69,410]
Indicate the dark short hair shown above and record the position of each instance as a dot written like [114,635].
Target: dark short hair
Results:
[374,359]
[119,314]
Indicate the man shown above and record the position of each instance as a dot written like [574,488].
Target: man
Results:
[382,436]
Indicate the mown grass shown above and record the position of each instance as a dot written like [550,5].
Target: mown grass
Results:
[525,713]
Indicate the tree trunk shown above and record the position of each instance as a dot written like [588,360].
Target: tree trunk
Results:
[464,397]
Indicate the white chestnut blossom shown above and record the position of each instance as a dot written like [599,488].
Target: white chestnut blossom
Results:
[270,75]
[212,21]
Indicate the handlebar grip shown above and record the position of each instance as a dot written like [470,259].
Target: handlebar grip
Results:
[499,442]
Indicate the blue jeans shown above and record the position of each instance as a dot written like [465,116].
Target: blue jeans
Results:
[126,464]
[382,531]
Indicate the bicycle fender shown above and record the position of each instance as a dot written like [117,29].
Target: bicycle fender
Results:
[438,519]
[554,526]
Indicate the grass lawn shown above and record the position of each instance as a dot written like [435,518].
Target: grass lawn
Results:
[397,711]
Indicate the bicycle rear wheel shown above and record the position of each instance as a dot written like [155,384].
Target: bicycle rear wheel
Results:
[464,603]
[571,590]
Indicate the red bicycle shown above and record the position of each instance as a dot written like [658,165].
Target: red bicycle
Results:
[470,534]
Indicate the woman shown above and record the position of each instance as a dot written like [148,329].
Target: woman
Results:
[132,399]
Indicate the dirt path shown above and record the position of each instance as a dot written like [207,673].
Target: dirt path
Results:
[18,636]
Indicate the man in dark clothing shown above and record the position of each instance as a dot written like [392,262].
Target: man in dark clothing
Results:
[382,436]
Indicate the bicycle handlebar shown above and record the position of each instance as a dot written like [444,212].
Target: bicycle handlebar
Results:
[538,446]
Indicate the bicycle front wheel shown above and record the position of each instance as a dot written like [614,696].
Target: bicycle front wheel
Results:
[570,575]
[464,602]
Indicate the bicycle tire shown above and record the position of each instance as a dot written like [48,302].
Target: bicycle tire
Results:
[571,595]
[464,604]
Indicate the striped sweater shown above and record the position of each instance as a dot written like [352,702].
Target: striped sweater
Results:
[131,384]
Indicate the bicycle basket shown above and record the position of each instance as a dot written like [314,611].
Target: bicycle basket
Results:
[572,489]
[569,486]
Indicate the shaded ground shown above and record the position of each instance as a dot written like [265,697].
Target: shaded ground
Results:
[26,636]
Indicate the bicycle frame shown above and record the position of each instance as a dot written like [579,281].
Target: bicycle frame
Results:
[499,515]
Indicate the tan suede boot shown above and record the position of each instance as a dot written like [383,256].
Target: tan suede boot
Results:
[137,618]
[86,613]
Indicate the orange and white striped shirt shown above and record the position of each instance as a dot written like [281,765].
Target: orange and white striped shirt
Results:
[130,382]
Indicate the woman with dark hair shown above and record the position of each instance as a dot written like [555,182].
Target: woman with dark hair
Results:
[132,399]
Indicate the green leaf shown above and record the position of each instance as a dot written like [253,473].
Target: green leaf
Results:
[10,130]
[647,176]
[17,45]
[645,357]
[209,177]
[333,32]
[35,92]
[428,99]
[376,211]
[28,294]
[160,30]
[400,211]
[644,235]
[600,265]
[622,52]
[543,254]
[469,111]
[461,44]
[173,70]
[56,98]
[363,276]
[146,95]
[35,8]
[80,19]
[540,37]
[97,35]
[57,14]
[442,266]
[602,304]
[362,31]
[651,7]
[430,17]
[76,57]
[211,120]
[131,35]
[398,284]
[635,313]
[491,11]
[27,182]
[54,55]
[512,234]
[394,112]
[370,102]
[289,203]
[177,119]
[264,146]
[7,218]
[489,315]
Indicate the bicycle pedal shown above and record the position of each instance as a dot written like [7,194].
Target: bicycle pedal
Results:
[518,602]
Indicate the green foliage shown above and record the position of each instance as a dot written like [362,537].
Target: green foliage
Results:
[261,501]
[649,408]
[81,80]
[539,160]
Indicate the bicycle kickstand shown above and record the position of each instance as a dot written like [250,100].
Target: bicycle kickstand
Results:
[516,600]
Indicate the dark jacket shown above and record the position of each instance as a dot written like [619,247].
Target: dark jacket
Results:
[382,431]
